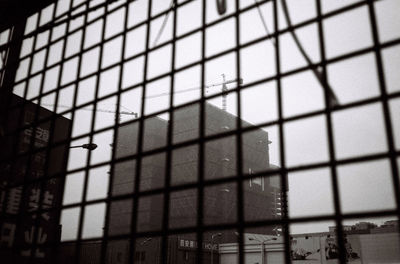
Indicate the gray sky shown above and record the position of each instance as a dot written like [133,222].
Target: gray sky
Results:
[357,131]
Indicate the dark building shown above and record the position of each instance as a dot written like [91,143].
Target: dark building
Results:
[261,194]
[33,150]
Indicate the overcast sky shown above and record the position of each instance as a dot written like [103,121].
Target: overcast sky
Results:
[360,131]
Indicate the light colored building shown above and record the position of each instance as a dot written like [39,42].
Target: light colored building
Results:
[258,249]
[315,248]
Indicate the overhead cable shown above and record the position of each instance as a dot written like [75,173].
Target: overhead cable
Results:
[263,21]
[196,88]
[332,99]
[161,30]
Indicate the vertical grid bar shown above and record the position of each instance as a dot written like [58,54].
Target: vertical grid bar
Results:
[105,239]
[28,154]
[69,133]
[200,192]
[332,157]
[283,172]
[42,181]
[168,167]
[8,77]
[239,150]
[78,246]
[140,138]
[4,55]
[384,100]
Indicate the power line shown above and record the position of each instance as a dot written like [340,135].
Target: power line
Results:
[263,21]
[176,92]
[164,23]
[196,88]
[97,110]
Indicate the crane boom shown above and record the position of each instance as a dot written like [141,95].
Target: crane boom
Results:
[223,83]
[224,90]
[97,110]
[240,80]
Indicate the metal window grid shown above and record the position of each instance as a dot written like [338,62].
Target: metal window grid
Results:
[13,46]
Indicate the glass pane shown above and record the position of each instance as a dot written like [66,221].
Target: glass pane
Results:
[348,32]
[93,221]
[374,187]
[356,135]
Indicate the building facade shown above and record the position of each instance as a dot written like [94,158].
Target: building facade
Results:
[33,150]
[261,194]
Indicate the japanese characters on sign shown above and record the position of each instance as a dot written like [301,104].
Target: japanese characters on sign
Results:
[41,239]
[192,244]
[34,202]
[31,221]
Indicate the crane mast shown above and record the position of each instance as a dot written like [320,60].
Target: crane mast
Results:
[224,90]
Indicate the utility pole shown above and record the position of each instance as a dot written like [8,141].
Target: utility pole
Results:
[212,246]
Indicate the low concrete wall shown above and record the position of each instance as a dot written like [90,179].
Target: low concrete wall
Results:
[274,253]
[380,248]
[371,248]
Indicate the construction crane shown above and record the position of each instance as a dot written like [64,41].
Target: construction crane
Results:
[99,110]
[224,89]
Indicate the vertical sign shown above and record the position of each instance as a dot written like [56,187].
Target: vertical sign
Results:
[21,225]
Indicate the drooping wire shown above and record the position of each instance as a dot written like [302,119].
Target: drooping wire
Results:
[333,100]
[163,24]
[263,21]
[195,88]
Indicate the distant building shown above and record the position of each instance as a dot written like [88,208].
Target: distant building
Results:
[332,229]
[367,244]
[358,228]
[364,226]
[391,226]
[261,195]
